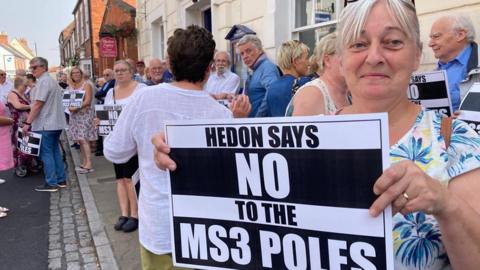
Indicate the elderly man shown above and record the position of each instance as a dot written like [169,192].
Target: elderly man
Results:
[100,96]
[109,84]
[222,83]
[5,86]
[156,68]
[264,71]
[452,41]
[46,118]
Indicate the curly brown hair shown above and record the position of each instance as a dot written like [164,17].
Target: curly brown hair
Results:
[191,53]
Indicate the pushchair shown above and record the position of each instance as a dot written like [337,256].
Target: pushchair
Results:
[24,163]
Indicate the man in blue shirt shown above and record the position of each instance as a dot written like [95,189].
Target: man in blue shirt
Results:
[452,41]
[264,71]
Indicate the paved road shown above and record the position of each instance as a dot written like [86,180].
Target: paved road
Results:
[24,232]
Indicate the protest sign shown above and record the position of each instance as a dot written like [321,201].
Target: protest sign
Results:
[283,193]
[108,115]
[470,108]
[430,89]
[29,143]
[224,102]
[73,99]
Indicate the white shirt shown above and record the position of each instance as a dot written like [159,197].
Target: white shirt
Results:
[5,88]
[228,82]
[144,116]
[123,101]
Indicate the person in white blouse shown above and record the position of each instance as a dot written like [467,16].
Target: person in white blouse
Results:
[223,83]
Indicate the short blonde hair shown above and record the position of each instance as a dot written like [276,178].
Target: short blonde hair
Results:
[290,51]
[353,18]
[70,79]
[325,46]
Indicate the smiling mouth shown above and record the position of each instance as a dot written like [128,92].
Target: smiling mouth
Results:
[374,75]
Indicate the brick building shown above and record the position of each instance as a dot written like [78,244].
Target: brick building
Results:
[119,23]
[80,42]
[68,56]
[88,15]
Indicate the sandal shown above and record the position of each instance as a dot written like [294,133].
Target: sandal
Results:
[3,214]
[4,209]
[85,170]
[79,168]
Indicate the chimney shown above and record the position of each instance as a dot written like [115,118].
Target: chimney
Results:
[23,42]
[3,38]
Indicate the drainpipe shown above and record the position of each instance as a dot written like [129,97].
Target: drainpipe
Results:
[93,75]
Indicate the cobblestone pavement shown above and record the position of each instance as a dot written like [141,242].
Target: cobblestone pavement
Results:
[71,244]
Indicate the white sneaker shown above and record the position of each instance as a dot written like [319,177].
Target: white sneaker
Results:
[2,181]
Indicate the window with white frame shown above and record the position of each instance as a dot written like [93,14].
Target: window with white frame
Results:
[87,19]
[314,19]
[158,38]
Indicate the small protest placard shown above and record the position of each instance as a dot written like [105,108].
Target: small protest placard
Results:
[470,108]
[108,115]
[29,143]
[430,89]
[284,193]
[73,99]
[224,102]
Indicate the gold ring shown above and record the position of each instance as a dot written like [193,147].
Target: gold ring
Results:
[405,195]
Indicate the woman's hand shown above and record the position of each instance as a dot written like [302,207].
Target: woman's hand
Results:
[96,122]
[73,109]
[161,151]
[408,189]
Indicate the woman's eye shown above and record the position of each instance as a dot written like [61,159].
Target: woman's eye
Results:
[357,45]
[394,43]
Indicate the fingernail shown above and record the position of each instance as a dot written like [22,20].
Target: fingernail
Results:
[172,167]
[372,212]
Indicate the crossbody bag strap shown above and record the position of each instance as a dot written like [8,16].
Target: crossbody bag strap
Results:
[446,130]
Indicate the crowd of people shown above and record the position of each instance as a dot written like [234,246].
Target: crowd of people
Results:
[363,67]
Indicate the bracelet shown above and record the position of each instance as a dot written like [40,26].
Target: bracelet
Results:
[26,123]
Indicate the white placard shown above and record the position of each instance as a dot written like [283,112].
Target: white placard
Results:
[73,99]
[430,89]
[470,108]
[108,115]
[275,193]
[30,143]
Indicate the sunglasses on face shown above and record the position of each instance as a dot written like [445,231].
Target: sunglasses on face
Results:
[34,67]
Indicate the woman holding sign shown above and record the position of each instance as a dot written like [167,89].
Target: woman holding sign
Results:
[81,125]
[121,94]
[433,182]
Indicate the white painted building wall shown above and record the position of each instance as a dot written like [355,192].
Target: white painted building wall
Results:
[273,20]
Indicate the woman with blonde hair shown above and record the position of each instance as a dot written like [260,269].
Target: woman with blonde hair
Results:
[81,125]
[292,58]
[328,92]
[19,107]
[121,94]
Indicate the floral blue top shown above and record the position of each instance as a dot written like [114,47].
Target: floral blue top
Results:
[416,236]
